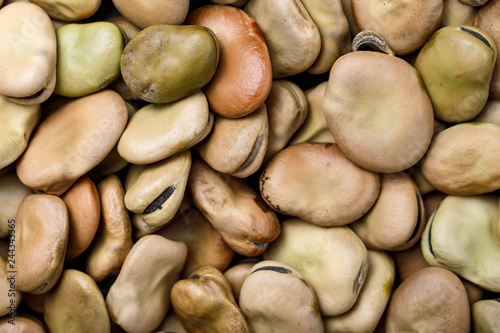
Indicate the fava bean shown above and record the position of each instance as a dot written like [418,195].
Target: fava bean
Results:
[249,166]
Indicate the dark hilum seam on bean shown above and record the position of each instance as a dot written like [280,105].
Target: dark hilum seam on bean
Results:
[253,153]
[477,35]
[430,229]
[35,95]
[419,217]
[477,2]
[277,269]
[260,245]
[156,204]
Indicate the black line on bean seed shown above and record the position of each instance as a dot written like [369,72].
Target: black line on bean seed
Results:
[419,217]
[35,95]
[39,288]
[156,204]
[477,35]
[277,269]
[253,153]
[430,229]
[260,245]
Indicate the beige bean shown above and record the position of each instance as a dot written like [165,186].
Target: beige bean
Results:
[146,13]
[113,162]
[394,19]
[276,295]
[373,298]
[316,182]
[457,82]
[314,128]
[332,259]
[237,146]
[461,223]
[84,209]
[292,37]
[139,299]
[69,10]
[486,315]
[158,131]
[486,19]
[456,13]
[87,129]
[370,119]
[462,159]
[12,193]
[244,75]
[347,8]
[234,209]
[204,303]
[431,300]
[41,236]
[155,191]
[287,109]
[17,123]
[29,52]
[23,324]
[205,245]
[113,240]
[76,304]
[333,28]
[397,219]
